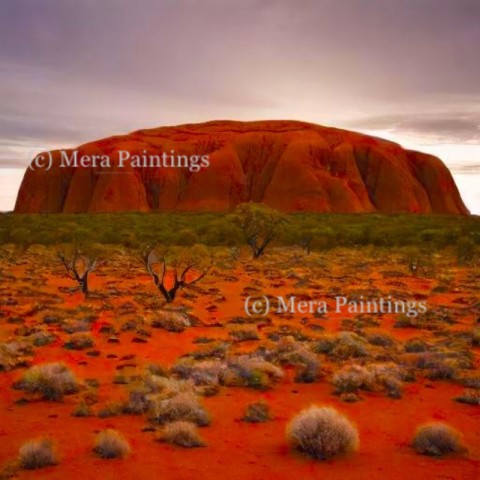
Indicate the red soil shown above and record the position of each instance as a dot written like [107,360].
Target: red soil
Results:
[235,449]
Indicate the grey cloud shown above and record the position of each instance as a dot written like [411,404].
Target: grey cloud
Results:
[77,70]
[472,168]
[457,127]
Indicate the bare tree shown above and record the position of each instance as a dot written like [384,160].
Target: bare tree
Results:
[177,270]
[78,267]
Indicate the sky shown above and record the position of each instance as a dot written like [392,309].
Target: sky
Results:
[73,71]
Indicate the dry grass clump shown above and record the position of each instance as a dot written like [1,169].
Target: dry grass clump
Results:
[470,397]
[404,321]
[243,334]
[375,377]
[349,345]
[380,339]
[41,338]
[246,371]
[51,380]
[437,439]
[439,366]
[74,326]
[321,433]
[183,406]
[471,381]
[149,388]
[110,409]
[352,378]
[476,337]
[38,453]
[210,350]
[181,433]
[79,341]
[171,321]
[324,344]
[13,355]
[257,412]
[416,345]
[287,330]
[83,409]
[290,352]
[111,444]
[206,372]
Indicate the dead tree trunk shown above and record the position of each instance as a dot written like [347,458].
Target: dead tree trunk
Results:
[72,266]
[179,279]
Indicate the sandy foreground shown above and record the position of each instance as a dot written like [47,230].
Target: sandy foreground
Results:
[125,300]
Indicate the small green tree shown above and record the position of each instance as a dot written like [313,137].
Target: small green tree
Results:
[260,225]
[309,236]
[465,250]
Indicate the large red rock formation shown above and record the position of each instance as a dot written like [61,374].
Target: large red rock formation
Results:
[289,165]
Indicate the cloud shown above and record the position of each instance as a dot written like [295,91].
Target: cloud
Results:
[459,127]
[78,70]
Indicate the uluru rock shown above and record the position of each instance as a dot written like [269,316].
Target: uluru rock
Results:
[289,165]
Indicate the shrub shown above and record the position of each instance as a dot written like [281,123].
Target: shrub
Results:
[476,337]
[437,439]
[322,433]
[257,412]
[111,444]
[350,345]
[181,433]
[37,454]
[383,377]
[243,334]
[82,410]
[404,321]
[183,406]
[76,326]
[111,409]
[42,338]
[210,350]
[465,250]
[470,397]
[416,345]
[380,340]
[245,371]
[439,366]
[79,341]
[13,355]
[151,386]
[324,345]
[352,378]
[389,378]
[171,321]
[51,380]
[206,372]
[290,352]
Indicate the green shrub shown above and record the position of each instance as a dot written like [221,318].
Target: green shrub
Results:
[465,250]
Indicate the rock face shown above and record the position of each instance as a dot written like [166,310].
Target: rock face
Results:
[291,166]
